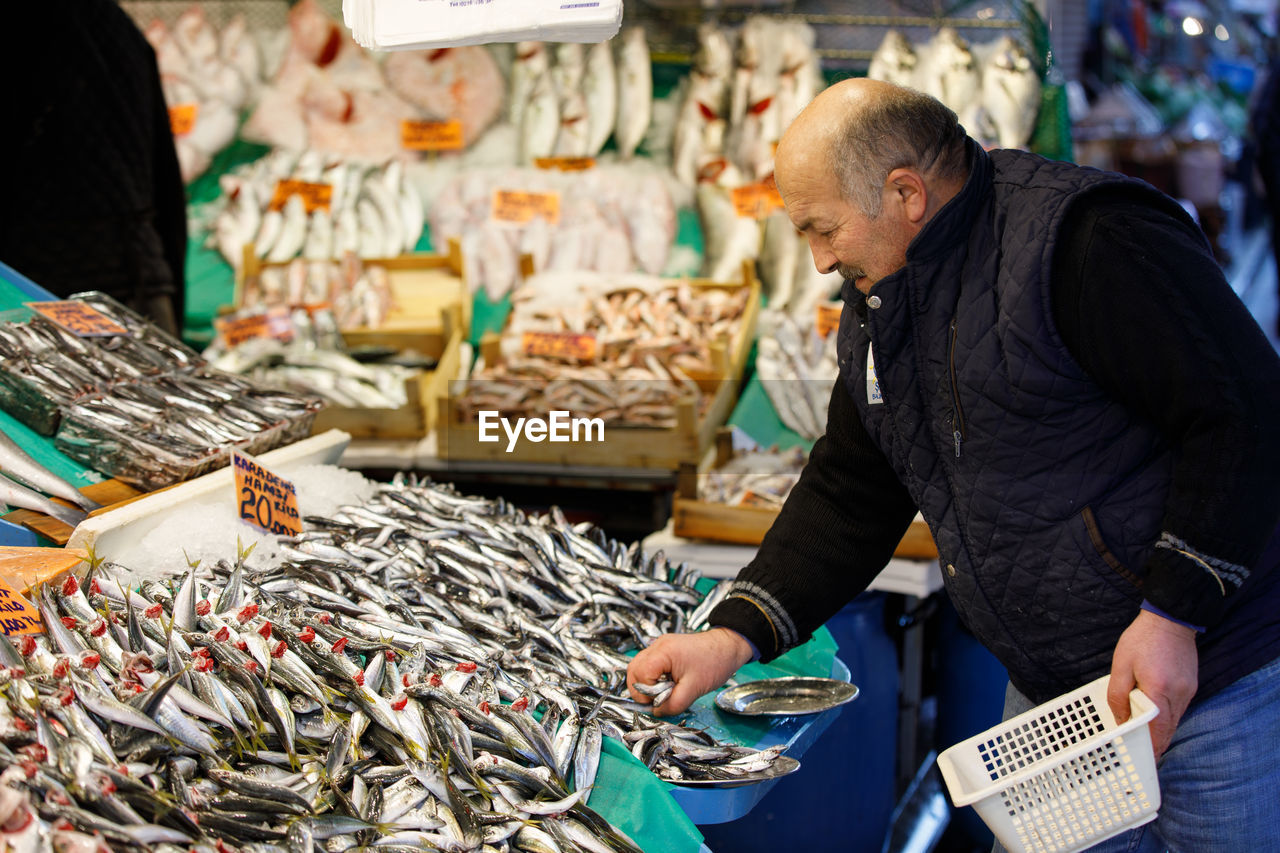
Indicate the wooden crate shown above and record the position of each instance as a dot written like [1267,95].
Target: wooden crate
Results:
[418,417]
[109,493]
[426,288]
[692,518]
[627,447]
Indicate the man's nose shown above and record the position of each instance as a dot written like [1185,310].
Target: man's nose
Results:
[823,258]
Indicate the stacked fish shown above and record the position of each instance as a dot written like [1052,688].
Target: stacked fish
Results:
[993,88]
[571,107]
[358,293]
[378,690]
[326,373]
[213,75]
[24,483]
[331,95]
[609,219]
[760,478]
[369,212]
[138,406]
[798,368]
[651,340]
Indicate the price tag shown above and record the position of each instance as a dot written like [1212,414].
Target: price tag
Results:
[314,196]
[828,317]
[78,318]
[568,346]
[431,135]
[756,201]
[265,500]
[273,323]
[565,164]
[182,118]
[522,207]
[17,615]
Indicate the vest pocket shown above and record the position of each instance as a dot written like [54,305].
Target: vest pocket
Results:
[1099,545]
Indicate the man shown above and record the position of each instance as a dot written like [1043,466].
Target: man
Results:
[93,197]
[1046,361]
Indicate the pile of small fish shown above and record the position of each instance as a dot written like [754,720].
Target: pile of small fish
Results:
[371,212]
[609,219]
[358,294]
[214,74]
[378,690]
[326,373]
[797,368]
[138,406]
[571,107]
[760,478]
[993,88]
[651,339]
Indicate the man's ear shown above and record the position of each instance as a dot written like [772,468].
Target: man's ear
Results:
[906,189]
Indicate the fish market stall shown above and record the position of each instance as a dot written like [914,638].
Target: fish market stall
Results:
[472,689]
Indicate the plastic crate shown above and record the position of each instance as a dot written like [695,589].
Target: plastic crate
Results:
[1061,777]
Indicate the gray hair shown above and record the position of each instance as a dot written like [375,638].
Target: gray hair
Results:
[905,129]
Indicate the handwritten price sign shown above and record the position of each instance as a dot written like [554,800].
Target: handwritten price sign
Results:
[756,201]
[314,196]
[274,323]
[566,346]
[182,117]
[265,500]
[523,207]
[431,135]
[828,317]
[78,318]
[565,164]
[17,615]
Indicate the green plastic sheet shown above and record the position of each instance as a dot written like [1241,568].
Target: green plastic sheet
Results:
[756,416]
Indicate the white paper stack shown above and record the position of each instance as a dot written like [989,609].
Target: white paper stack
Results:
[416,24]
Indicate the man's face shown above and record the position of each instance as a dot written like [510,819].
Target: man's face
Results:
[841,237]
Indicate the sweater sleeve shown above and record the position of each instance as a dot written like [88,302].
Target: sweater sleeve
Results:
[1146,311]
[836,531]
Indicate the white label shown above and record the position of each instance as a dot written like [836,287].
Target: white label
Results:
[874,397]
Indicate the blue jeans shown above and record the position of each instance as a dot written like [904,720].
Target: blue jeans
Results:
[1219,779]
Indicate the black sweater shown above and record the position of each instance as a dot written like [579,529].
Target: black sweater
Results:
[1150,317]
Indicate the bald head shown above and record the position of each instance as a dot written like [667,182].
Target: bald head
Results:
[857,131]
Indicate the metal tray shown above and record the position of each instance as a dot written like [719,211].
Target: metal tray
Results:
[783,765]
[786,697]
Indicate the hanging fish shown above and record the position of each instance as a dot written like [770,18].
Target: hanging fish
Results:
[894,61]
[635,92]
[1010,92]
[600,88]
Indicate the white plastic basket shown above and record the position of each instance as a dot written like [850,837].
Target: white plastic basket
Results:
[1061,777]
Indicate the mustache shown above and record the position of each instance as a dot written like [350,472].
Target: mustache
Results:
[849,273]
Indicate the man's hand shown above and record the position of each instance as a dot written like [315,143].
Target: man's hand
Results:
[1158,657]
[697,663]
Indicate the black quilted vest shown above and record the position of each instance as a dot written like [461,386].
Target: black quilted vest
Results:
[1044,496]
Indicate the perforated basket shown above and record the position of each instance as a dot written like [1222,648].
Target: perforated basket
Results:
[1061,777]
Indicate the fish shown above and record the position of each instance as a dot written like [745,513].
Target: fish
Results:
[635,91]
[574,139]
[529,62]
[730,239]
[797,371]
[1010,92]
[780,250]
[462,83]
[948,72]
[16,495]
[540,121]
[894,61]
[17,464]
[600,90]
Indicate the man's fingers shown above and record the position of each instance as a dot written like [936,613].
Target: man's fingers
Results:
[1118,692]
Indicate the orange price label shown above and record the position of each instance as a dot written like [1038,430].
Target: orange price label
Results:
[568,346]
[17,615]
[265,500]
[828,317]
[431,135]
[521,207]
[565,164]
[756,201]
[182,118]
[314,196]
[273,323]
[78,318]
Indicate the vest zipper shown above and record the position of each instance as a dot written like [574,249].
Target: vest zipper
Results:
[957,433]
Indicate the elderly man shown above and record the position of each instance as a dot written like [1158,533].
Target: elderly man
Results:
[1047,363]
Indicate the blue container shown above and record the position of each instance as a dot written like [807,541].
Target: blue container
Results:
[842,796]
[970,689]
